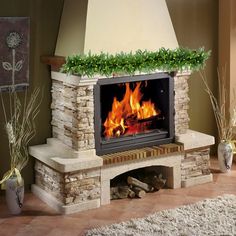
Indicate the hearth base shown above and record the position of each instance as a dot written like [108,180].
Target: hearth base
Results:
[71,184]
[68,190]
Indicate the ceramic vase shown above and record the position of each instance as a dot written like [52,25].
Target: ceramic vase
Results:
[225,156]
[14,195]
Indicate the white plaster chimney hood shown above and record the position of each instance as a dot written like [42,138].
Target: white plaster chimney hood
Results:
[113,26]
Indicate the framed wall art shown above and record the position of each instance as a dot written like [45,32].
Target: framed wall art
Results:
[14,52]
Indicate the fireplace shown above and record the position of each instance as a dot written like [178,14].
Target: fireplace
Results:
[73,170]
[69,175]
[132,112]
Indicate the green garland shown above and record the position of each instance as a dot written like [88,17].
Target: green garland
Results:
[141,61]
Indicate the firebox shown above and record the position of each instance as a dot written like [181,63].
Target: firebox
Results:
[133,112]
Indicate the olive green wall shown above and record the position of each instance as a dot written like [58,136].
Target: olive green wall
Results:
[44,22]
[196,25]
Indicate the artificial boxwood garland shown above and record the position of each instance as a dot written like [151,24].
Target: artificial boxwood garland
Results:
[140,61]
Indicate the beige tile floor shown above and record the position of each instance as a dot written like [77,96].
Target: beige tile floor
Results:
[37,219]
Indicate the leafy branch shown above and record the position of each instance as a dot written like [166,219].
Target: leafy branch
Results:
[140,61]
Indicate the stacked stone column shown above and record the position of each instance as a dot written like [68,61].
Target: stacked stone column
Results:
[73,115]
[69,188]
[195,167]
[181,103]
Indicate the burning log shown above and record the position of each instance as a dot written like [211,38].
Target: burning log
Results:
[152,118]
[119,130]
[135,125]
[131,114]
[133,120]
[135,182]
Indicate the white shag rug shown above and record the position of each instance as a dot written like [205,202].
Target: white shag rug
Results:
[208,217]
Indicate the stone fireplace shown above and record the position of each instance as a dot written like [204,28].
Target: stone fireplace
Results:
[90,145]
[71,177]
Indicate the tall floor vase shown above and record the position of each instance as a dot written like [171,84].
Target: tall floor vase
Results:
[14,195]
[225,156]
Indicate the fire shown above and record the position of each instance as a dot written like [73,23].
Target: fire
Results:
[125,114]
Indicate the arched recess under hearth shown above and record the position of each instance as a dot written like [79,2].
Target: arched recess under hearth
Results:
[171,164]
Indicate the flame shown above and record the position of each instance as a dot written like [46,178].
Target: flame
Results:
[128,111]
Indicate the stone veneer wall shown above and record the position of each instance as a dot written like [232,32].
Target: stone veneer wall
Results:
[181,103]
[195,163]
[73,112]
[73,115]
[71,187]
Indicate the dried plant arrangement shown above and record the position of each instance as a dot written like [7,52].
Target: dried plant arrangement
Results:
[21,113]
[20,128]
[224,116]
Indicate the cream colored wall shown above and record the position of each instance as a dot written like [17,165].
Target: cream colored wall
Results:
[71,34]
[114,26]
[128,25]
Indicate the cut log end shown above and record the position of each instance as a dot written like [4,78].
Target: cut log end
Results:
[140,193]
[135,182]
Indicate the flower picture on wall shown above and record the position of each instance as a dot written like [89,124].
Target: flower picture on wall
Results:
[14,52]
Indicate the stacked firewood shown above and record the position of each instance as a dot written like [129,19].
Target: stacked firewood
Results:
[138,187]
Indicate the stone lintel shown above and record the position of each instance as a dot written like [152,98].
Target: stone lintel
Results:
[84,80]
[183,73]
[110,172]
[193,139]
[73,79]
[64,159]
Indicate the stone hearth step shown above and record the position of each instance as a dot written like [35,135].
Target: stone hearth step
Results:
[148,152]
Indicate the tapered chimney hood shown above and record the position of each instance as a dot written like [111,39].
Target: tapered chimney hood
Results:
[113,26]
